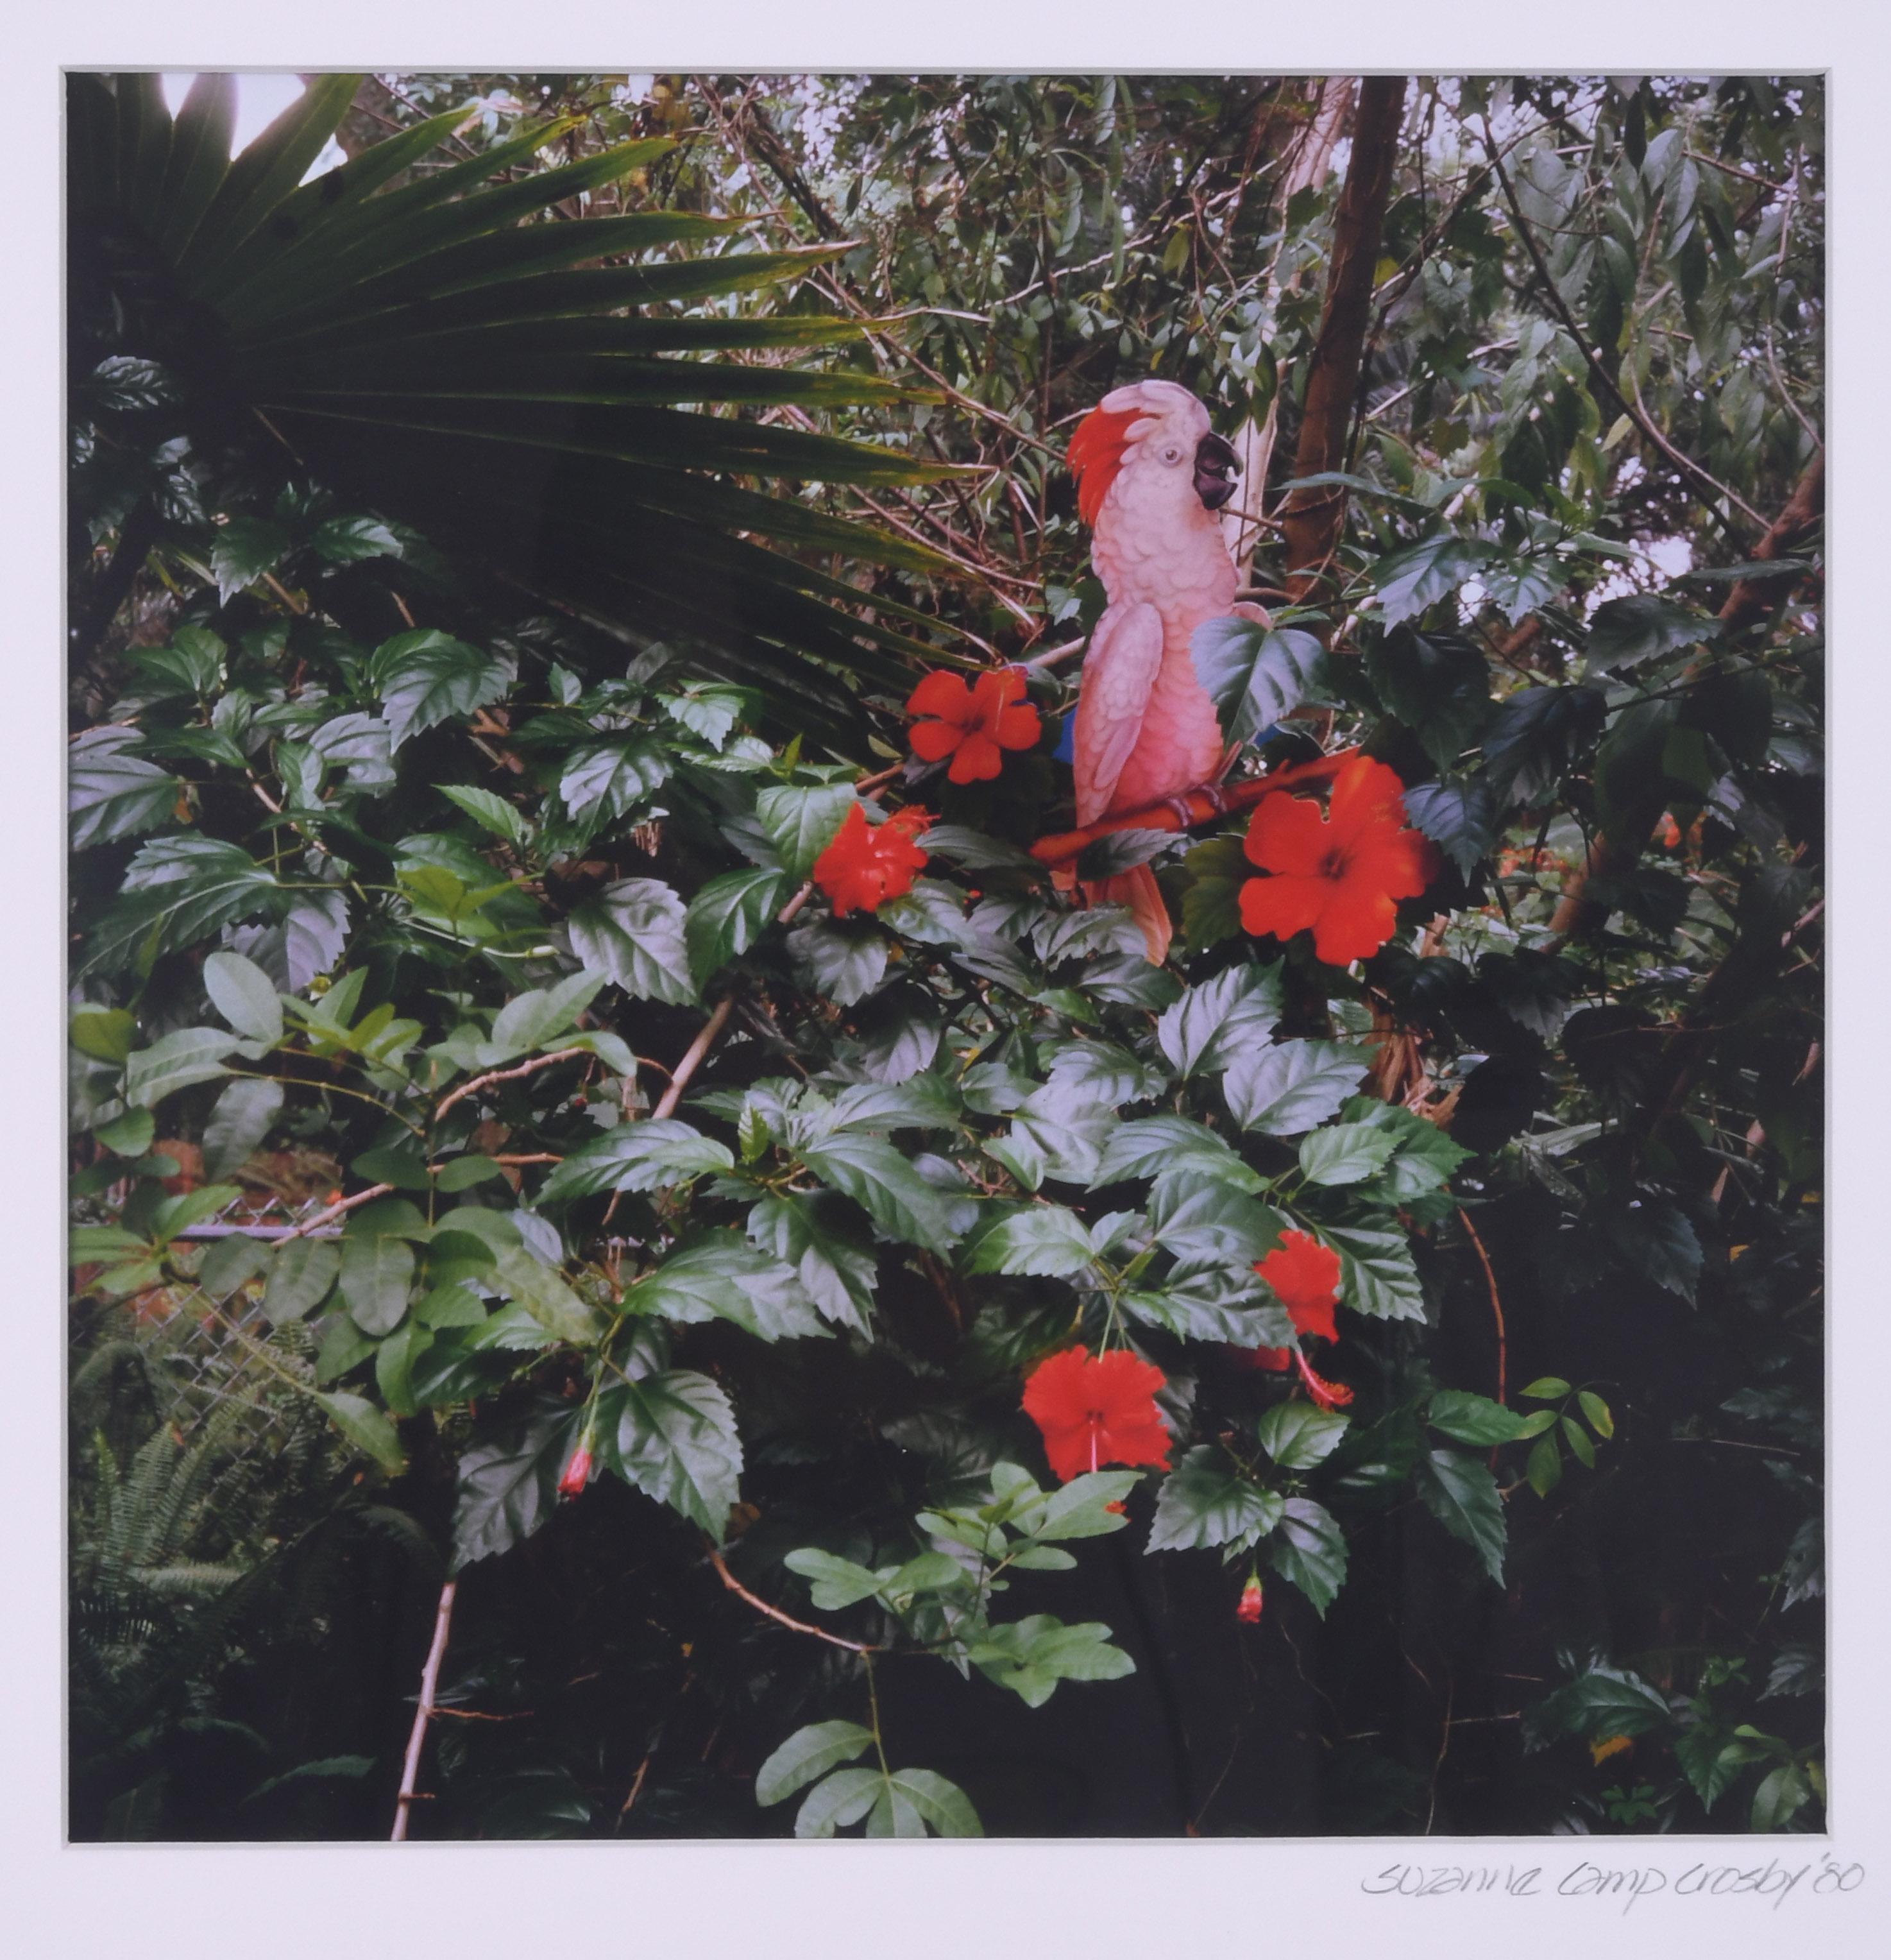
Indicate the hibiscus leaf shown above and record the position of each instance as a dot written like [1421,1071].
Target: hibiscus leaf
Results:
[1421,574]
[1213,1022]
[1297,1435]
[528,1280]
[425,677]
[1346,1154]
[1377,1276]
[610,779]
[1602,1701]
[1205,1501]
[722,1277]
[883,1183]
[724,917]
[1213,1301]
[1255,674]
[1155,1145]
[1437,684]
[809,1753]
[800,820]
[1310,1550]
[673,1437]
[1045,1240]
[634,931]
[1625,632]
[1459,1491]
[1459,816]
[636,1156]
[113,794]
[240,1121]
[1292,1085]
[839,1275]
[844,960]
[509,1485]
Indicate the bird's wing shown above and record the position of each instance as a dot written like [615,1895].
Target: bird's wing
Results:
[1119,673]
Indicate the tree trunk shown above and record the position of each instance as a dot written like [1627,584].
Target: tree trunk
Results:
[1314,518]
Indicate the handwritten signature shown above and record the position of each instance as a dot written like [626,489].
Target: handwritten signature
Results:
[1628,1883]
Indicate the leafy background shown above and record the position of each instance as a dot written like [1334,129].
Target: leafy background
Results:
[494,561]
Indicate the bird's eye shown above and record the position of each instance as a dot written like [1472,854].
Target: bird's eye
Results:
[1171,454]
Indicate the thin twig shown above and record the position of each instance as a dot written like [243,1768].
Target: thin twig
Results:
[417,1735]
[775,1613]
[335,1210]
[503,1075]
[692,1059]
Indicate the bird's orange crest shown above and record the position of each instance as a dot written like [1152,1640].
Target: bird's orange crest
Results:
[1096,455]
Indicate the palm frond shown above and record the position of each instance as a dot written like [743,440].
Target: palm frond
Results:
[550,395]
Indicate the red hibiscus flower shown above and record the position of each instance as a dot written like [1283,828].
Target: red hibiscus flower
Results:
[973,725]
[1098,1411]
[1341,874]
[576,1474]
[1249,1609]
[1304,1275]
[866,865]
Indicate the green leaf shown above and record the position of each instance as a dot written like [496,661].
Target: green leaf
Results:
[509,1485]
[633,931]
[365,1427]
[1577,1438]
[807,1754]
[1158,1146]
[1459,816]
[1213,1023]
[674,1438]
[191,1055]
[844,960]
[1079,1509]
[1031,1657]
[610,779]
[130,1135]
[112,793]
[1603,1702]
[1254,674]
[724,917]
[1418,577]
[1543,1469]
[104,1033]
[1655,1239]
[1346,1154]
[1546,1388]
[377,1274]
[1292,1085]
[845,1798]
[1782,1793]
[722,1277]
[1437,684]
[348,540]
[636,1156]
[1309,1550]
[491,813]
[1205,1501]
[1298,1436]
[1627,632]
[800,820]
[1596,1410]
[881,1181]
[837,1583]
[244,996]
[179,890]
[424,678]
[301,1274]
[1043,1239]
[1474,1419]
[526,1279]
[1377,1274]
[916,1800]
[536,1019]
[239,1123]
[246,548]
[839,1275]
[1460,1492]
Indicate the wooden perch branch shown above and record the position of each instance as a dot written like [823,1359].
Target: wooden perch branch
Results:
[780,1619]
[423,1713]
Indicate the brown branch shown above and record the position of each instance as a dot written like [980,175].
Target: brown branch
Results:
[417,1735]
[308,1225]
[693,1058]
[1311,520]
[780,1619]
[537,1062]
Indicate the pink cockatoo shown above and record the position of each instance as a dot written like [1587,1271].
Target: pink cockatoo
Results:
[1150,476]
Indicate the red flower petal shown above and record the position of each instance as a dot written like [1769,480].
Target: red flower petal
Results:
[863,867]
[943,694]
[1289,835]
[1282,906]
[1304,1276]
[1093,1412]
[934,741]
[1017,727]
[978,759]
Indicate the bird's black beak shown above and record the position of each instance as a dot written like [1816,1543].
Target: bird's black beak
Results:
[1215,463]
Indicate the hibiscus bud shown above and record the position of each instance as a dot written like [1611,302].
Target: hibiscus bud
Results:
[1249,1610]
[576,1473]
